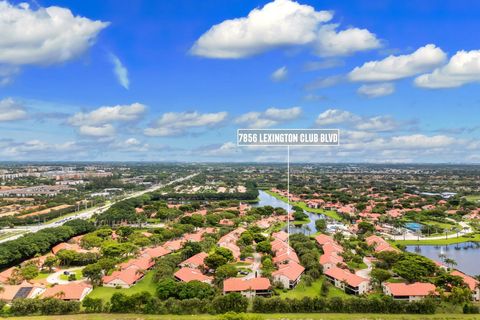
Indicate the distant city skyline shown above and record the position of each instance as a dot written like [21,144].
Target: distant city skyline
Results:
[173,81]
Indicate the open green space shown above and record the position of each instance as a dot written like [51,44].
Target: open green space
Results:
[473,198]
[287,316]
[472,238]
[328,213]
[42,275]
[78,275]
[302,290]
[146,284]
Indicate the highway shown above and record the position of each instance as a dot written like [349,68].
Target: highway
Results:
[86,214]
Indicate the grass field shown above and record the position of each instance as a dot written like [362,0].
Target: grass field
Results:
[297,316]
[146,284]
[301,291]
[473,198]
[328,213]
[474,238]
[78,275]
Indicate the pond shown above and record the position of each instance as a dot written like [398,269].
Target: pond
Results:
[307,228]
[466,255]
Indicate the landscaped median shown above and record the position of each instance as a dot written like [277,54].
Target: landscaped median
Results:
[329,213]
[434,242]
[285,316]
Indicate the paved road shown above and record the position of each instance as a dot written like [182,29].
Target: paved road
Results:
[55,277]
[365,273]
[466,229]
[87,213]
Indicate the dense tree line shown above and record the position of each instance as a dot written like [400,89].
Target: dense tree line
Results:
[18,220]
[49,306]
[26,247]
[339,305]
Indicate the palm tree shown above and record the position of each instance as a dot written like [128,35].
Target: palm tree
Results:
[450,262]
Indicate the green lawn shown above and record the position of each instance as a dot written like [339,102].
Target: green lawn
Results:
[78,275]
[288,316]
[301,291]
[146,284]
[474,238]
[42,275]
[473,198]
[328,213]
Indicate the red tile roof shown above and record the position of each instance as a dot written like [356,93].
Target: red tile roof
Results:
[470,281]
[417,289]
[143,263]
[196,260]
[70,291]
[129,276]
[156,252]
[239,284]
[291,270]
[344,275]
[190,274]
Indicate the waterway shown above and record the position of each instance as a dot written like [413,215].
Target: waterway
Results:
[466,255]
[307,228]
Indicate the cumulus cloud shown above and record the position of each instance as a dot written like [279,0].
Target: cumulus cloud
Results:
[331,42]
[98,123]
[281,23]
[378,123]
[120,71]
[269,118]
[463,68]
[11,110]
[398,67]
[376,90]
[28,148]
[336,116]
[108,114]
[105,130]
[44,36]
[346,118]
[178,123]
[280,74]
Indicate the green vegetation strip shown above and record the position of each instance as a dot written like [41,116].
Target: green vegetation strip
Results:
[328,213]
[439,242]
[303,316]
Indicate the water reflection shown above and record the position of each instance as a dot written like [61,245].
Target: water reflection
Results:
[466,255]
[307,228]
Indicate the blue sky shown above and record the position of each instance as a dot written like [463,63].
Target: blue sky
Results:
[164,80]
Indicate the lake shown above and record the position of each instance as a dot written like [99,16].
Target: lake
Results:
[308,228]
[467,255]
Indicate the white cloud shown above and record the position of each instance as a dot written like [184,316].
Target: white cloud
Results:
[378,123]
[463,68]
[177,123]
[346,118]
[269,118]
[331,42]
[280,74]
[421,141]
[279,23]
[7,73]
[336,116]
[43,36]
[11,110]
[104,115]
[105,130]
[397,67]
[376,90]
[120,71]
[324,82]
